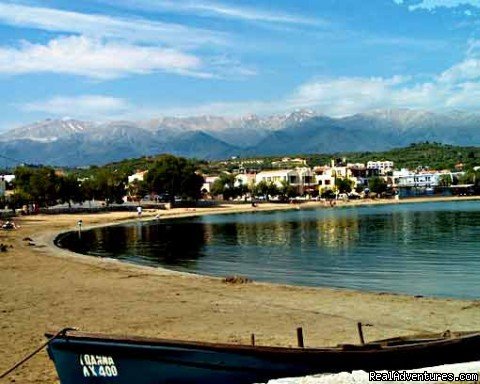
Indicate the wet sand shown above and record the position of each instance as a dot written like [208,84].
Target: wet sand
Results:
[43,287]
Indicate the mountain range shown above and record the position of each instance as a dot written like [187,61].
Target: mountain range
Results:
[69,142]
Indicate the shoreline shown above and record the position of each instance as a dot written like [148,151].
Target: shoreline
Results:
[227,209]
[45,287]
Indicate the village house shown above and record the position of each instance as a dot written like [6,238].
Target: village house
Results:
[383,166]
[287,162]
[277,177]
[424,179]
[303,179]
[327,175]
[208,182]
[409,183]
[139,176]
[247,179]
[4,181]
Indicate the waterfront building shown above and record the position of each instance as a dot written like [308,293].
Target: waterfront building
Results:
[383,166]
[247,179]
[406,178]
[326,175]
[303,179]
[277,177]
[4,181]
[410,183]
[208,182]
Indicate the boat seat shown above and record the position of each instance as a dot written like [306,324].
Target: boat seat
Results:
[360,347]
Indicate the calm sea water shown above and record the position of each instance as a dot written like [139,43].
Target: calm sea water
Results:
[430,249]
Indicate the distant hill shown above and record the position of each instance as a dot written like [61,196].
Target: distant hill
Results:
[70,142]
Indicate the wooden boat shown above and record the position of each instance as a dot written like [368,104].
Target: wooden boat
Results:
[98,358]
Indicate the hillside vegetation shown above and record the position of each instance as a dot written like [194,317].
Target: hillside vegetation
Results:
[432,155]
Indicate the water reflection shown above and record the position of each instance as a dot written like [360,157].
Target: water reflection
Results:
[428,249]
[154,244]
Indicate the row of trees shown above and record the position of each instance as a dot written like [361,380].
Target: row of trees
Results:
[43,186]
[227,186]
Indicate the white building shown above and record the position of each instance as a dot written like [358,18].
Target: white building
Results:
[137,176]
[278,177]
[208,182]
[405,178]
[8,178]
[4,179]
[327,175]
[247,179]
[383,166]
[301,178]
[288,162]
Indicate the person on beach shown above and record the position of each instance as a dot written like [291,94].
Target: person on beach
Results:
[139,211]
[9,225]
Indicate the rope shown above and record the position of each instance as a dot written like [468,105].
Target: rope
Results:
[26,358]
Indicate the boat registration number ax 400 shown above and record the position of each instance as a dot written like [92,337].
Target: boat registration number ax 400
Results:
[98,366]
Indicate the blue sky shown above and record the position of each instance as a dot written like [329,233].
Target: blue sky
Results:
[141,59]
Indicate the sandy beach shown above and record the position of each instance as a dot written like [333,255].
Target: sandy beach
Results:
[43,288]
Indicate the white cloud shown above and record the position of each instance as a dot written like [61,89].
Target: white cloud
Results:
[468,69]
[343,96]
[81,106]
[79,55]
[455,88]
[101,26]
[336,97]
[432,4]
[216,9]
[105,47]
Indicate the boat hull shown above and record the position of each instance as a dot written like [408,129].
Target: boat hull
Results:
[87,359]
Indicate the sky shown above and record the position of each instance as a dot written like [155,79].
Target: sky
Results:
[140,59]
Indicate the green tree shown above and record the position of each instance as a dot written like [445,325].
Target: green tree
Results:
[272,189]
[225,186]
[109,186]
[287,190]
[18,199]
[470,177]
[242,189]
[175,176]
[69,190]
[377,185]
[344,185]
[88,188]
[266,189]
[40,184]
[445,181]
[137,189]
[261,188]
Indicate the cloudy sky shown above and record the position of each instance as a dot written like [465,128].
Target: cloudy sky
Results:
[138,59]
